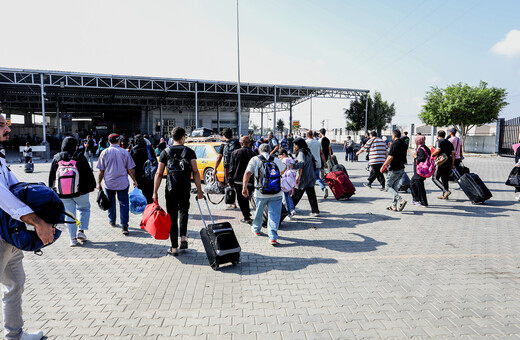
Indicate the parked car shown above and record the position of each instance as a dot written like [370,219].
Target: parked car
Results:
[206,153]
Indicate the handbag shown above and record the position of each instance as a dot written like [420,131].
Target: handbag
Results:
[230,195]
[514,177]
[441,159]
[103,201]
[427,168]
[156,221]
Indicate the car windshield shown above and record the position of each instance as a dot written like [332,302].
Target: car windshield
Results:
[217,148]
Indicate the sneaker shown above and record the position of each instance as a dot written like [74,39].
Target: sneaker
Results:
[243,221]
[315,214]
[125,231]
[273,242]
[256,233]
[112,224]
[288,218]
[326,194]
[32,336]
[82,237]
[294,212]
[184,245]
[382,189]
[416,203]
[73,243]
[368,185]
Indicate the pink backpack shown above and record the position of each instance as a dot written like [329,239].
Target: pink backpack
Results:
[426,168]
[67,178]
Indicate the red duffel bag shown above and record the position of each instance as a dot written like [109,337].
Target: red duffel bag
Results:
[156,221]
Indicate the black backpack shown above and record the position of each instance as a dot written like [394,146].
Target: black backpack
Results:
[269,181]
[178,169]
[229,147]
[150,166]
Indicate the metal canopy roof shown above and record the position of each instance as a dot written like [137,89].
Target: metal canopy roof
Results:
[94,92]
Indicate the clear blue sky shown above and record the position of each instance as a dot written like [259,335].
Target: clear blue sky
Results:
[399,48]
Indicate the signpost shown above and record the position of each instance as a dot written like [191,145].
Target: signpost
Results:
[296,124]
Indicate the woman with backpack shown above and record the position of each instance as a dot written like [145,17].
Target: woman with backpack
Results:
[73,180]
[141,153]
[288,182]
[305,178]
[417,182]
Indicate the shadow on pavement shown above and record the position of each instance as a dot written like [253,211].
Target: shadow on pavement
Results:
[301,222]
[253,264]
[367,245]
[130,249]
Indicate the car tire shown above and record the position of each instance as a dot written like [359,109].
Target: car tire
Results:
[208,175]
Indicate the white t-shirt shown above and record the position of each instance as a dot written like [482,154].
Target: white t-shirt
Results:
[254,166]
[315,147]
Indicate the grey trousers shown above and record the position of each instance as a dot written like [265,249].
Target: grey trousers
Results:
[12,277]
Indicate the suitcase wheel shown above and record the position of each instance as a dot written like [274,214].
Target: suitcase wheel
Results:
[214,266]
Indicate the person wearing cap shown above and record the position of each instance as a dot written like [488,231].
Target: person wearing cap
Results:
[115,165]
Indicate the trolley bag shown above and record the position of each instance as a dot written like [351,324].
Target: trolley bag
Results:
[340,184]
[29,167]
[339,167]
[332,161]
[156,221]
[473,187]
[265,216]
[219,241]
[404,183]
[230,195]
[461,169]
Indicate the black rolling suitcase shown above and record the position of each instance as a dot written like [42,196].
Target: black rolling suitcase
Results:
[219,241]
[265,216]
[473,187]
[29,167]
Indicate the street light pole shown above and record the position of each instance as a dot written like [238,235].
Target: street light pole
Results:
[238,83]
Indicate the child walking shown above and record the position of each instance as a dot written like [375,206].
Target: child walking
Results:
[288,182]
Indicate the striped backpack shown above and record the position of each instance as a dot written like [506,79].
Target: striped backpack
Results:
[67,178]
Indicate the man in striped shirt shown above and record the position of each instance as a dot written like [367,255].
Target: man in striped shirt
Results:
[377,152]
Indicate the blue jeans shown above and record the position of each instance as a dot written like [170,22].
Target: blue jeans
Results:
[289,204]
[80,208]
[349,154]
[274,208]
[392,183]
[319,180]
[124,207]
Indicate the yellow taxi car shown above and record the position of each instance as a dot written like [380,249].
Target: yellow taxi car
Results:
[206,153]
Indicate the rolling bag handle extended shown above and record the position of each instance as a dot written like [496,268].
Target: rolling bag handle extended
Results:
[456,174]
[200,210]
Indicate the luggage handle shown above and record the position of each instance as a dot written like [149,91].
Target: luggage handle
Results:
[200,210]
[456,173]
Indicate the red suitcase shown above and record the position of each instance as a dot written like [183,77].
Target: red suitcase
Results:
[156,221]
[340,184]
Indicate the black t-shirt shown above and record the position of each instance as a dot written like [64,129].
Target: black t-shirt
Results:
[445,147]
[177,150]
[325,144]
[398,151]
[406,140]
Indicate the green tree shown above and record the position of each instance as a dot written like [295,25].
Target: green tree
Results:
[463,106]
[380,113]
[280,125]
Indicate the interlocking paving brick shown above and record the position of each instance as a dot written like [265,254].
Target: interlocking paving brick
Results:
[358,271]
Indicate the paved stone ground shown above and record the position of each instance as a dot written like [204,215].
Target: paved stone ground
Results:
[359,271]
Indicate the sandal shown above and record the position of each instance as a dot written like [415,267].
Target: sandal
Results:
[402,204]
[184,245]
[391,208]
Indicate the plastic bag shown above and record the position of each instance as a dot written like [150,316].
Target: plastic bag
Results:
[137,201]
